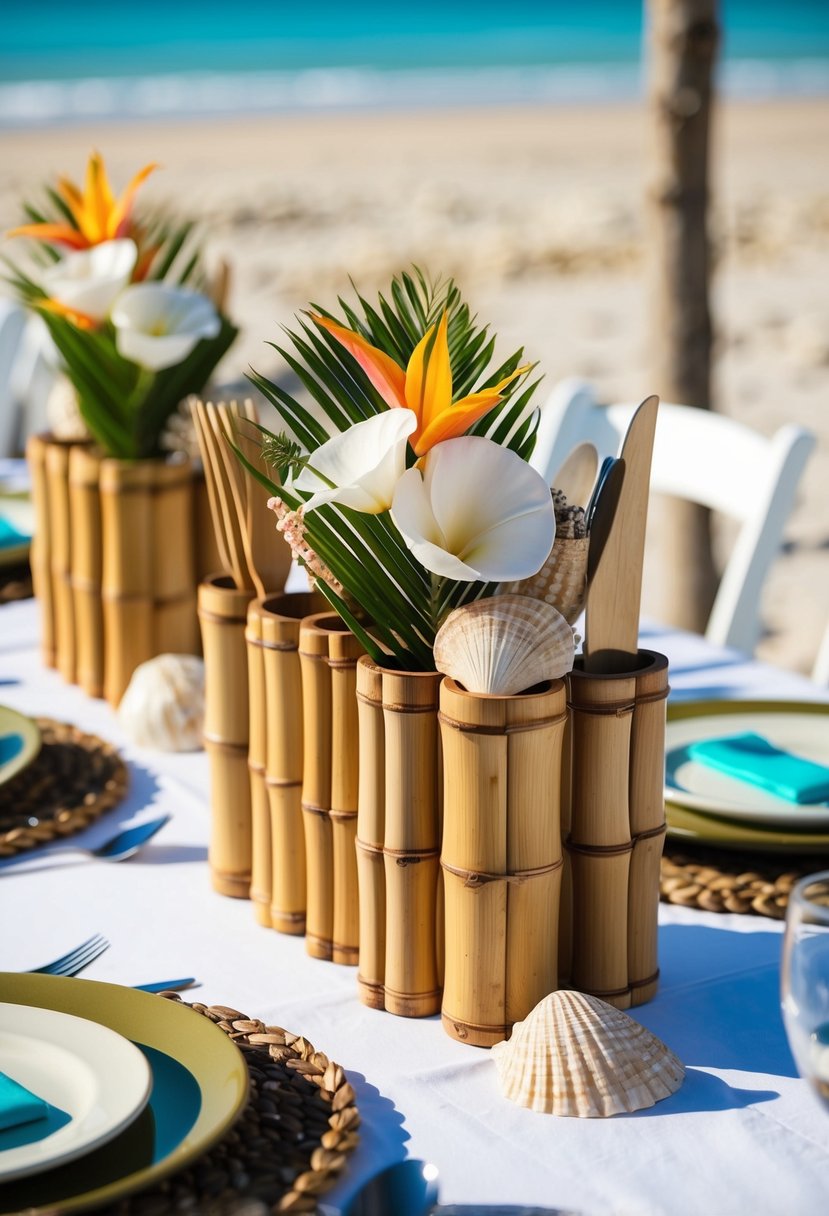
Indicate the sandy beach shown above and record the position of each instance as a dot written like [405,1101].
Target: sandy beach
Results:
[539,215]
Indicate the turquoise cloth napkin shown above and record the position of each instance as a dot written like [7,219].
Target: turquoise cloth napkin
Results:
[749,757]
[9,535]
[18,1105]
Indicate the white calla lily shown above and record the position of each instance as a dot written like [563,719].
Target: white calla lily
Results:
[360,467]
[89,280]
[471,510]
[158,326]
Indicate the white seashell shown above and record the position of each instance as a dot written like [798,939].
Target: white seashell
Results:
[575,1055]
[504,645]
[63,412]
[163,706]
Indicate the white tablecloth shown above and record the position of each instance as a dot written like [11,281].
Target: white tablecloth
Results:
[743,1135]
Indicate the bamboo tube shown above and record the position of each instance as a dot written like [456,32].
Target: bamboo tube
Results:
[279,617]
[40,558]
[565,907]
[328,655]
[501,856]
[127,570]
[371,821]
[343,652]
[413,820]
[60,555]
[261,856]
[600,842]
[147,567]
[647,824]
[222,616]
[175,623]
[316,786]
[85,517]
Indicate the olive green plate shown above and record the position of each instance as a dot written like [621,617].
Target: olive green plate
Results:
[18,510]
[19,742]
[200,1086]
[705,828]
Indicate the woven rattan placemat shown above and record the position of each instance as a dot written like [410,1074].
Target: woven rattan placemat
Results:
[288,1146]
[720,880]
[74,778]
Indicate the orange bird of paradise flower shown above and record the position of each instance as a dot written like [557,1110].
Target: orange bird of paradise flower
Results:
[424,386]
[97,214]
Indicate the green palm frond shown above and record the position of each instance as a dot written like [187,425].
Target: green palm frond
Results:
[388,599]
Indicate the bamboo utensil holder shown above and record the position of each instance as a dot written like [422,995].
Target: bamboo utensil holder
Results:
[40,556]
[86,558]
[328,655]
[60,556]
[148,565]
[616,790]
[223,615]
[501,855]
[113,560]
[278,840]
[401,925]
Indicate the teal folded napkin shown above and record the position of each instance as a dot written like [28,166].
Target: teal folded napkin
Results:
[18,1105]
[749,757]
[10,536]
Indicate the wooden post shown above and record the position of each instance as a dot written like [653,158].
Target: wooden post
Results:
[684,35]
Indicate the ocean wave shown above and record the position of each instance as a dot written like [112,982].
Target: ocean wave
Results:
[193,94]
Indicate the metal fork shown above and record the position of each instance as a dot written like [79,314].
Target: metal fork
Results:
[76,960]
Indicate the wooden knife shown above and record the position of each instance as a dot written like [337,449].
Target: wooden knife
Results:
[611,627]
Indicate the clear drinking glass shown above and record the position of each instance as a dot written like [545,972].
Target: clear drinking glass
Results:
[804,981]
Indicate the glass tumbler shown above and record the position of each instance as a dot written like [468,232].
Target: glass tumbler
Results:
[804,981]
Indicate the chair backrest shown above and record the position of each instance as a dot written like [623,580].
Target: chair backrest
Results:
[709,459]
[12,320]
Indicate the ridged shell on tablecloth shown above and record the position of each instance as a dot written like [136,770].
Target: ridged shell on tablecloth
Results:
[163,706]
[504,645]
[575,1055]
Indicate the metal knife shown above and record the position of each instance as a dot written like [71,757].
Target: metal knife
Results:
[611,627]
[168,985]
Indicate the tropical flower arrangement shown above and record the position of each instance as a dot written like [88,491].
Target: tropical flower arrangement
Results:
[403,481]
[126,302]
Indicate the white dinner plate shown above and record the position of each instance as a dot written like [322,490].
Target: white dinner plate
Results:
[99,1080]
[800,728]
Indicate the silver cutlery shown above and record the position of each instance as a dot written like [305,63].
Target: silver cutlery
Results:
[120,847]
[74,961]
[410,1188]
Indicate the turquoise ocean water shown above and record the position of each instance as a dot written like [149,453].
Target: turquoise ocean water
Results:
[68,62]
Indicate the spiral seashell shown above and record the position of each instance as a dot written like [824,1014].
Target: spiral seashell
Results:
[561,581]
[504,645]
[575,1055]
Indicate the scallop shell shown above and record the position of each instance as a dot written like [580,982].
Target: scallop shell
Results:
[163,706]
[575,1055]
[504,645]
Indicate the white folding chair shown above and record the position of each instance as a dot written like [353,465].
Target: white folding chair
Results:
[12,321]
[709,459]
[820,671]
